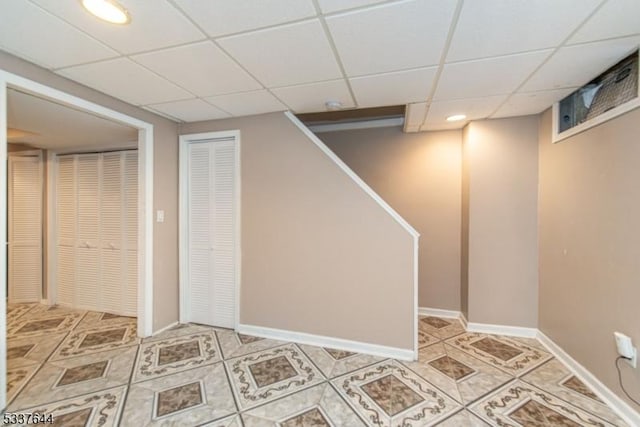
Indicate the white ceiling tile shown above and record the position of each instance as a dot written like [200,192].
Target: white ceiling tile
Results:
[616,18]
[393,36]
[414,115]
[285,55]
[124,79]
[522,104]
[311,98]
[220,17]
[576,65]
[328,6]
[248,103]
[474,109]
[202,68]
[154,24]
[36,35]
[393,88]
[501,27]
[190,110]
[487,77]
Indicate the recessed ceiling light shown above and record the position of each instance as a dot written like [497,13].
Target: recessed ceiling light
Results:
[456,118]
[107,10]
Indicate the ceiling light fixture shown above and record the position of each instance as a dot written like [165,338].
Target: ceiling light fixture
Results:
[107,10]
[456,118]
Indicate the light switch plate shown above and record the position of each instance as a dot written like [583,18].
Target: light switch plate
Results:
[160,216]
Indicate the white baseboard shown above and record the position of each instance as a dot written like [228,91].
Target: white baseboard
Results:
[622,408]
[323,341]
[437,312]
[511,331]
[169,326]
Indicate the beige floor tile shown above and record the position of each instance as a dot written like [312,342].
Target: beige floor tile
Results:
[461,376]
[440,327]
[319,405]
[556,379]
[165,357]
[519,403]
[101,409]
[95,320]
[67,378]
[44,323]
[463,418]
[17,378]
[259,378]
[513,357]
[235,345]
[31,350]
[89,341]
[188,398]
[389,394]
[16,310]
[334,363]
[232,421]
[179,330]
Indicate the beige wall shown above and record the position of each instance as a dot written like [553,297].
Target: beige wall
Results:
[418,174]
[318,254]
[589,243]
[501,160]
[165,247]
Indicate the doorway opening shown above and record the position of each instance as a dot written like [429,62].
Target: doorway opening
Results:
[111,158]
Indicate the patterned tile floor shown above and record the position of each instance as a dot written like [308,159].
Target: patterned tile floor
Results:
[90,369]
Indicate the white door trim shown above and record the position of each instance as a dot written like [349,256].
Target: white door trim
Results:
[184,141]
[145,200]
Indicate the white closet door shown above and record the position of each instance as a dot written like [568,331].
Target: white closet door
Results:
[25,228]
[211,205]
[66,221]
[88,290]
[130,230]
[223,233]
[200,242]
[111,232]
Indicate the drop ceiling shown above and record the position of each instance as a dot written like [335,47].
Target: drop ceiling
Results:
[40,123]
[193,60]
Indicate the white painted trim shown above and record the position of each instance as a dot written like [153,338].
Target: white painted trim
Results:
[145,194]
[183,231]
[384,205]
[166,328]
[3,241]
[50,222]
[355,178]
[622,408]
[329,342]
[464,321]
[511,331]
[360,124]
[437,312]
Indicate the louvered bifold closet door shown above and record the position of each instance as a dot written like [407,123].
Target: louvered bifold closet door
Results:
[200,242]
[88,274]
[66,223]
[130,229]
[223,233]
[25,228]
[112,283]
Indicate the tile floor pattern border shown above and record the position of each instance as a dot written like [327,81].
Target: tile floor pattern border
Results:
[499,381]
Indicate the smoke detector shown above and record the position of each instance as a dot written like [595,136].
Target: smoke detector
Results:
[333,105]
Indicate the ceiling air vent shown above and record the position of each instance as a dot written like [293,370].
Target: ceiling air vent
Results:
[612,93]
